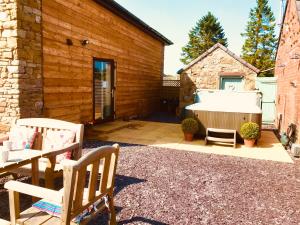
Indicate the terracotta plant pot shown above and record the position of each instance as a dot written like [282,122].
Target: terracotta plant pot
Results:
[188,136]
[249,142]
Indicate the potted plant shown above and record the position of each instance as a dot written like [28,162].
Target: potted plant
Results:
[250,133]
[189,127]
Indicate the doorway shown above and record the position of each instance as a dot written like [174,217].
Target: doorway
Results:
[232,83]
[103,90]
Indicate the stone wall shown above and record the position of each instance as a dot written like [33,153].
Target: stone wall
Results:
[206,74]
[20,60]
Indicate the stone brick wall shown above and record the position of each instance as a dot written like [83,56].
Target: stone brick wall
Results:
[287,70]
[206,74]
[20,60]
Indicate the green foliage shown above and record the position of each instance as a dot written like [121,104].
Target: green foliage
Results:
[190,125]
[260,45]
[250,130]
[207,32]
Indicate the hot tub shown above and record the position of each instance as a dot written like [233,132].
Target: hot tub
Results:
[225,110]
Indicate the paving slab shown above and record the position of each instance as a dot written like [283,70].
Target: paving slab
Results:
[168,135]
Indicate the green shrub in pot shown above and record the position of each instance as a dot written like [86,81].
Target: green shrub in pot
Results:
[250,133]
[189,126]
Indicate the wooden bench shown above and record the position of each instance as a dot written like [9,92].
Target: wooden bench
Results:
[49,169]
[74,198]
[229,140]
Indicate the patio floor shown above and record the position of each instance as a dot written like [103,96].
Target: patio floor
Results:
[169,135]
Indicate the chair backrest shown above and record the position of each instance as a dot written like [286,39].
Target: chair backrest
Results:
[77,198]
[44,124]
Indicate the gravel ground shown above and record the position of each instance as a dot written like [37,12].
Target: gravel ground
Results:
[162,186]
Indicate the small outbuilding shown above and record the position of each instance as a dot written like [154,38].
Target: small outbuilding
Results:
[217,68]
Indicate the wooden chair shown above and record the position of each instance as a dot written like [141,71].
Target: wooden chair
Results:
[49,169]
[74,198]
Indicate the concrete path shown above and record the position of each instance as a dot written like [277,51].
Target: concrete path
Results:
[168,135]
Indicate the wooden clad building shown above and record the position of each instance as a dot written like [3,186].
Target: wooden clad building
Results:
[94,60]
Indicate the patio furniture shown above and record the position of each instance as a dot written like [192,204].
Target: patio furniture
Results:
[20,158]
[49,167]
[74,198]
[228,136]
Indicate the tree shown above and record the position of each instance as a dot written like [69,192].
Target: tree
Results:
[260,44]
[207,32]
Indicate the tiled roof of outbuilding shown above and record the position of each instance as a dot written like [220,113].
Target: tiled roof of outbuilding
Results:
[216,46]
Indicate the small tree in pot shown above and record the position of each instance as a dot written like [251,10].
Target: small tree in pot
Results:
[250,132]
[189,127]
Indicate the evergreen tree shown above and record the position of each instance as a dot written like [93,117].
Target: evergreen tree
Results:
[207,32]
[260,45]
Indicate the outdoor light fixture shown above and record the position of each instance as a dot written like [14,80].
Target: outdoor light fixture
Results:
[69,41]
[293,83]
[84,42]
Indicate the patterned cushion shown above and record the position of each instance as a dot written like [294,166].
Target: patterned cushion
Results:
[55,140]
[55,209]
[22,137]
[49,207]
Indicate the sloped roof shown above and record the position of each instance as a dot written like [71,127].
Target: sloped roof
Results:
[298,8]
[120,11]
[216,46]
[283,19]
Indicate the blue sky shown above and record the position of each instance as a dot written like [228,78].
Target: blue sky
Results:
[175,18]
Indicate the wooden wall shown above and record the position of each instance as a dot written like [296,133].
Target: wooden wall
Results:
[67,70]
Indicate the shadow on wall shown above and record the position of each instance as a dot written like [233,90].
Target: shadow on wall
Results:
[187,90]
[29,57]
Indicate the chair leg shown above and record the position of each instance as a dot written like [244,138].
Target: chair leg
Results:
[14,176]
[112,216]
[49,179]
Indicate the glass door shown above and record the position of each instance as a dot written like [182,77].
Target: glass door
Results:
[103,90]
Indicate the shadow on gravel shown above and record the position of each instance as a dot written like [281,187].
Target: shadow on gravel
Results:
[141,219]
[90,144]
[122,182]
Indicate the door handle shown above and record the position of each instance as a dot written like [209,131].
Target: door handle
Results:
[112,93]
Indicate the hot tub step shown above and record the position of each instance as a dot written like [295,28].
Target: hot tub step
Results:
[210,137]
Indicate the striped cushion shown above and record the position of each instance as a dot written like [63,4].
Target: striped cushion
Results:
[49,207]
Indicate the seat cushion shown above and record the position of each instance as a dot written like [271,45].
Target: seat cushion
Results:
[22,137]
[55,140]
[55,208]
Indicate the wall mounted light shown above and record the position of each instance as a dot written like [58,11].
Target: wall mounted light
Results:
[293,83]
[84,42]
[69,42]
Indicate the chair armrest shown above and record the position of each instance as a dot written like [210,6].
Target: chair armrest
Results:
[60,151]
[4,138]
[34,191]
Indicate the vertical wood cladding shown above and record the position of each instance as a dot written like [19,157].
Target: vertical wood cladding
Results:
[68,70]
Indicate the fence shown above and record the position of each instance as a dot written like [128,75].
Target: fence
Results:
[171,83]
[170,95]
[170,89]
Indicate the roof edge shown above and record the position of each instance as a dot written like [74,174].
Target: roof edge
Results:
[119,10]
[213,48]
[281,27]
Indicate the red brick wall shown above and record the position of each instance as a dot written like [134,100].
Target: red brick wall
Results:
[288,69]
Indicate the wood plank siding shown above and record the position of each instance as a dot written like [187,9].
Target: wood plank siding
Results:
[68,70]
